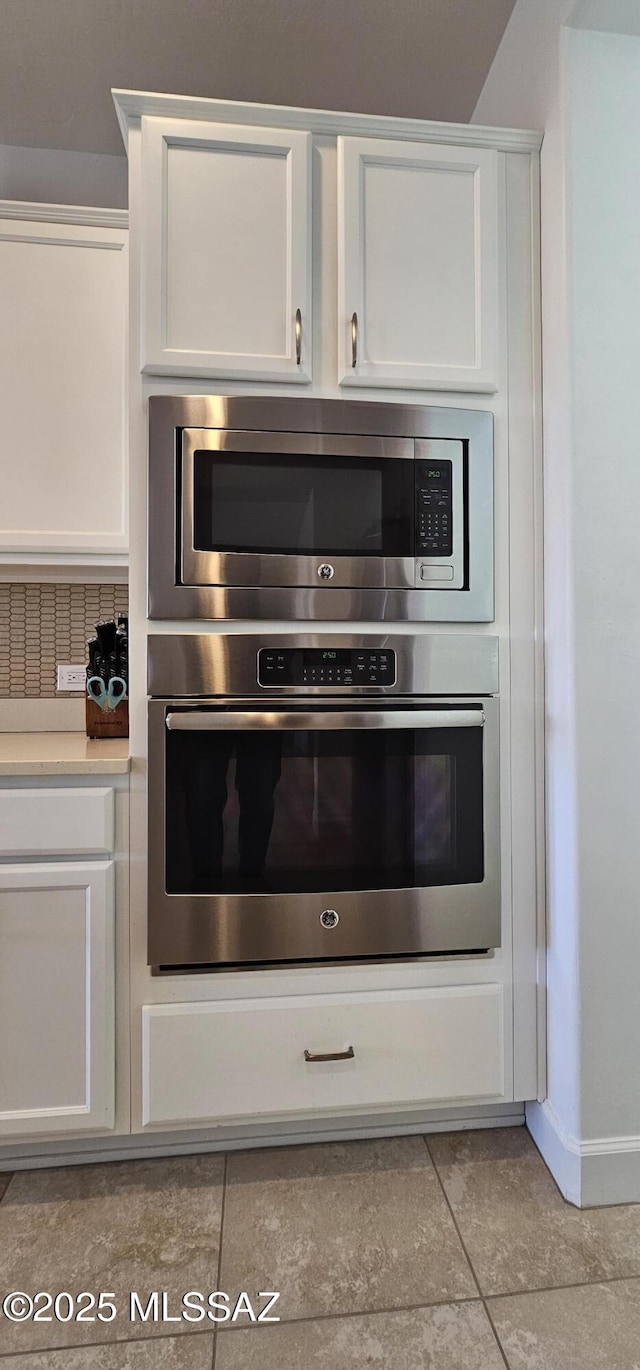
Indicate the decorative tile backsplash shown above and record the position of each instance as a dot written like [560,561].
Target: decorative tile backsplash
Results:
[43,624]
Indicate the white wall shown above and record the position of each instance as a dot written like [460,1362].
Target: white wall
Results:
[49,176]
[526,85]
[583,88]
[523,78]
[604,208]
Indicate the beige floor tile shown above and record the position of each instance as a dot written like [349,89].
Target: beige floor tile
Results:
[341,1228]
[162,1353]
[518,1231]
[139,1225]
[448,1337]
[596,1327]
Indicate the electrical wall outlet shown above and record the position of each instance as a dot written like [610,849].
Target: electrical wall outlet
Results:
[71,678]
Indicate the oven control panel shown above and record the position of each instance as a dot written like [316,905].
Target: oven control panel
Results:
[434,515]
[326,666]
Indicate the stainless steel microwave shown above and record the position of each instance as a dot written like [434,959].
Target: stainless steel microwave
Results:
[271,508]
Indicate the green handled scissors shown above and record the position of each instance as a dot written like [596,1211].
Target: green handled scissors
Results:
[108,697]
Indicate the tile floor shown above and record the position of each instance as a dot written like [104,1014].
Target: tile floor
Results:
[452,1252]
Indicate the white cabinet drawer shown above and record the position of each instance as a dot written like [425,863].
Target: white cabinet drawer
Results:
[206,1061]
[56,822]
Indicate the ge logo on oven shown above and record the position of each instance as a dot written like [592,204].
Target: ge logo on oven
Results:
[325,571]
[329,918]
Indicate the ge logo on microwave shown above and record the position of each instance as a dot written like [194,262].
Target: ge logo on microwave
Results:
[325,571]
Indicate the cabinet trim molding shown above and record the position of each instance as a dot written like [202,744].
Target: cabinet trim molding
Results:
[132,105]
[64,214]
[86,568]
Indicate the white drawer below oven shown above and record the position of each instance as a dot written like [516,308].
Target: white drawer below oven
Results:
[204,1062]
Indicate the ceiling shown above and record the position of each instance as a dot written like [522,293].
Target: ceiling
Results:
[59,59]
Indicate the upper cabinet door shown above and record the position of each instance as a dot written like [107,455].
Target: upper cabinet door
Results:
[418,265]
[226,286]
[63,349]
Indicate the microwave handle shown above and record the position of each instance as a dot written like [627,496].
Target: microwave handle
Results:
[200,720]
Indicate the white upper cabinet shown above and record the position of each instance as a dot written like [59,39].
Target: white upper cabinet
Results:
[418,265]
[226,259]
[63,342]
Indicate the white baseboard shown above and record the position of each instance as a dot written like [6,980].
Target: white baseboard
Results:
[76,1151]
[591,1173]
[556,1147]
[588,1173]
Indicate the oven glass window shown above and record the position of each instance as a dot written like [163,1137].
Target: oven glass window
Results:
[311,811]
[345,506]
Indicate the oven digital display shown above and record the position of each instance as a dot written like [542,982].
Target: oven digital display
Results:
[326,666]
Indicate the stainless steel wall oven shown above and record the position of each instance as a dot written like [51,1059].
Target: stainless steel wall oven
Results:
[321,797]
[276,508]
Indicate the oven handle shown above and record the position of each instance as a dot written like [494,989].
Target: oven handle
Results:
[199,720]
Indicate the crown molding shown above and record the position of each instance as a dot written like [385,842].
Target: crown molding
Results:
[131,105]
[83,215]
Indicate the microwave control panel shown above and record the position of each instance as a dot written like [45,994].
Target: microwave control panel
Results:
[434,513]
[326,666]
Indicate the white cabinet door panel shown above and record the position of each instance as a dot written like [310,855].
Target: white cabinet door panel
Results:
[227,250]
[208,1061]
[63,441]
[57,1046]
[418,264]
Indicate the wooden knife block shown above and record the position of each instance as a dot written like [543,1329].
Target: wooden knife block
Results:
[107,722]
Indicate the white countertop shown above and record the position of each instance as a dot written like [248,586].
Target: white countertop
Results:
[62,754]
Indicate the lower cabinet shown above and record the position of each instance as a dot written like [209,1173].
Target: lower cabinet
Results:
[211,1061]
[56,997]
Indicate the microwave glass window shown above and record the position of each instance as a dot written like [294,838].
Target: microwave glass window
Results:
[285,811]
[250,502]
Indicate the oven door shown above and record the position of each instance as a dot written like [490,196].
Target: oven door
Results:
[296,509]
[341,831]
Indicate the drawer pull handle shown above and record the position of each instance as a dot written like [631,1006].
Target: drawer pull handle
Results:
[298,337]
[354,340]
[347,1055]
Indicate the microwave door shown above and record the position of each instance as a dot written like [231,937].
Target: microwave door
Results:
[265,509]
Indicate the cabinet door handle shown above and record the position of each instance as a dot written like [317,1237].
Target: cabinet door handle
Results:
[347,1055]
[354,339]
[298,336]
